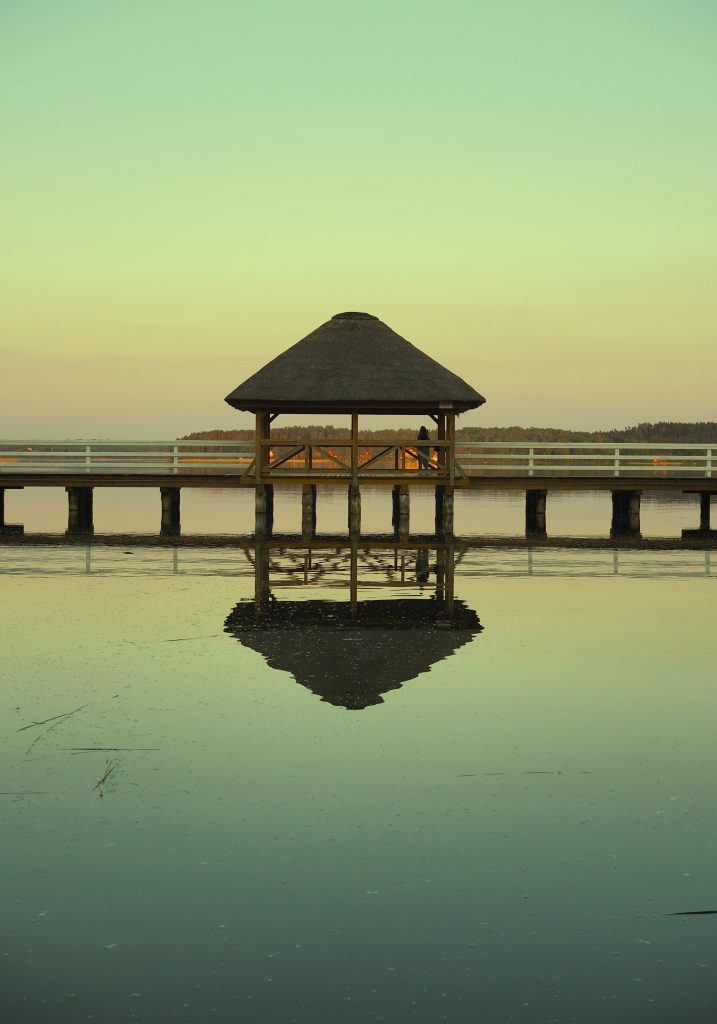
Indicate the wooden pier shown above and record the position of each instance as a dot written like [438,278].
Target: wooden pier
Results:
[453,467]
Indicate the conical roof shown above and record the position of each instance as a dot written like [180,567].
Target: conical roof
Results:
[354,361]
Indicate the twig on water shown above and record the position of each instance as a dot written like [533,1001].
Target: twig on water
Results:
[94,750]
[100,784]
[55,718]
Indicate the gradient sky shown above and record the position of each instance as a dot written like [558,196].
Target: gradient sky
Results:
[524,190]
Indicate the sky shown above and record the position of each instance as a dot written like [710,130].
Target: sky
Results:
[524,190]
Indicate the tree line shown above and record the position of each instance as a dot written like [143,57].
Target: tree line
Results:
[647,433]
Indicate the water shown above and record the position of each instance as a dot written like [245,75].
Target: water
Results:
[498,837]
[231,511]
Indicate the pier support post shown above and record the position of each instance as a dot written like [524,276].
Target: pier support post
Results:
[264,511]
[440,493]
[535,502]
[705,513]
[79,510]
[354,510]
[625,514]
[8,527]
[171,525]
[308,511]
[447,503]
[404,512]
[395,508]
[705,529]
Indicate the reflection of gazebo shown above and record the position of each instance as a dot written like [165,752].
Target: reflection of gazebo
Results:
[351,661]
[353,364]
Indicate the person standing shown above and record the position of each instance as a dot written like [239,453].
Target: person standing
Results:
[423,456]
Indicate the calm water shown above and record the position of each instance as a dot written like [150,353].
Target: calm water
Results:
[496,838]
[128,510]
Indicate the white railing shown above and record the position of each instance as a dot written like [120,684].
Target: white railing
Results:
[472,458]
[126,457]
[567,459]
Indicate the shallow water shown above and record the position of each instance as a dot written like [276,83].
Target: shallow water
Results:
[496,840]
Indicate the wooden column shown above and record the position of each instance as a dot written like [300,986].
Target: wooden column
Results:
[440,573]
[450,578]
[261,578]
[535,502]
[625,514]
[308,511]
[404,512]
[8,527]
[354,510]
[705,529]
[79,510]
[395,510]
[264,511]
[171,525]
[353,580]
[448,512]
[451,452]
[440,494]
[705,513]
[423,569]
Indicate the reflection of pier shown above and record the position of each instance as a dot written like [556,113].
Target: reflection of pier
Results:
[350,652]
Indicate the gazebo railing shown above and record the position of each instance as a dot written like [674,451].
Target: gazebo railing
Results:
[126,457]
[358,460]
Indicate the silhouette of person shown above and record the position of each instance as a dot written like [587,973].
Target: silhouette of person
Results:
[423,457]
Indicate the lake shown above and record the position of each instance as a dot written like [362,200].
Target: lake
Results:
[315,821]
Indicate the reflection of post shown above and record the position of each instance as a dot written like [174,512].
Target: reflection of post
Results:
[353,579]
[404,512]
[308,511]
[422,569]
[354,510]
[440,573]
[450,576]
[261,578]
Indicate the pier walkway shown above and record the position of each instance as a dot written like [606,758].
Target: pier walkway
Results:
[447,465]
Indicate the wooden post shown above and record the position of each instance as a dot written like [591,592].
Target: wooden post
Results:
[625,514]
[261,578]
[171,522]
[79,510]
[404,512]
[395,506]
[439,521]
[448,512]
[705,512]
[450,578]
[440,573]
[353,579]
[451,431]
[535,502]
[354,448]
[308,511]
[354,510]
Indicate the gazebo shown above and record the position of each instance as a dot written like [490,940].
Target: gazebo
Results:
[354,364]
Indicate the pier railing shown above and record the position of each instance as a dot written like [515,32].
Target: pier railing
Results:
[361,460]
[126,457]
[567,459]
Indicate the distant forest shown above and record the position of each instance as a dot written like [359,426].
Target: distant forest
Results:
[658,433]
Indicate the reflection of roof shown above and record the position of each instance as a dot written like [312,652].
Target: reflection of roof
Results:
[353,360]
[346,662]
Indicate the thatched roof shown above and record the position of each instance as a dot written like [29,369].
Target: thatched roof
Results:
[350,662]
[354,361]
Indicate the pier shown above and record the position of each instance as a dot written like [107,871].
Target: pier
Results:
[352,366]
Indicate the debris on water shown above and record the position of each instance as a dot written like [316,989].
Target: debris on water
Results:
[94,750]
[688,913]
[100,784]
[181,639]
[55,718]
[111,945]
